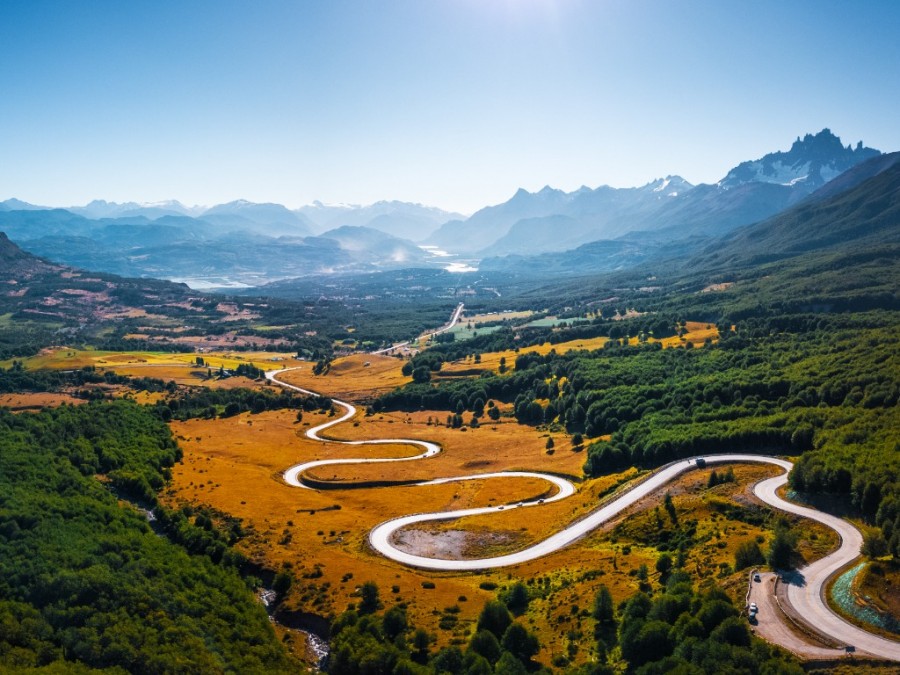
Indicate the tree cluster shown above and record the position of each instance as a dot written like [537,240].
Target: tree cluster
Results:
[363,643]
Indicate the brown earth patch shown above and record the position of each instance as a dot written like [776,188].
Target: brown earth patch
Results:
[37,401]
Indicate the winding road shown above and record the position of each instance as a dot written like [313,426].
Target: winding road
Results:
[806,592]
[807,596]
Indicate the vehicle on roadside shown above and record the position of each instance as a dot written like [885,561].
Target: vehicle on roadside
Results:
[756,578]
[753,607]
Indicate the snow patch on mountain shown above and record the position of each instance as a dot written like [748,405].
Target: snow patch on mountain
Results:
[810,163]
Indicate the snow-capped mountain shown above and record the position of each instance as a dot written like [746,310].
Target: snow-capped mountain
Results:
[809,164]
[670,186]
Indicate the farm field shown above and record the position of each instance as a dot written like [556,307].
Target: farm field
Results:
[488,317]
[472,325]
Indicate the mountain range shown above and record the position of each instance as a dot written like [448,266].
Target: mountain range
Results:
[398,219]
[861,207]
[552,220]
[589,229]
[403,220]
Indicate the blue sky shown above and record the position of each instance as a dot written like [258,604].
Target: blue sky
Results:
[450,103]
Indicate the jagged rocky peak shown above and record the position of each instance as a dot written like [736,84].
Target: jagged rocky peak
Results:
[670,186]
[810,163]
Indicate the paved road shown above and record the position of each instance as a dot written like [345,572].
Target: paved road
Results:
[454,319]
[806,593]
[806,598]
[772,625]
[380,537]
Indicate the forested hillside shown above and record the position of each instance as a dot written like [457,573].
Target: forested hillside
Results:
[867,213]
[821,386]
[84,580]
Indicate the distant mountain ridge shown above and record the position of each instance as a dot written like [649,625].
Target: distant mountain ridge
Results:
[399,219]
[270,219]
[551,220]
[860,208]
[404,220]
[609,228]
[865,212]
[234,250]
[100,208]
[241,240]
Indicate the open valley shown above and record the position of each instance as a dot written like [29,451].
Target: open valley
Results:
[449,338]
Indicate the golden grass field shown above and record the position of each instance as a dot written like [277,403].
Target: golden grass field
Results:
[697,333]
[179,367]
[350,377]
[36,401]
[64,358]
[235,464]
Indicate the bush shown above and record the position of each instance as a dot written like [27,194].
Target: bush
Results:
[747,555]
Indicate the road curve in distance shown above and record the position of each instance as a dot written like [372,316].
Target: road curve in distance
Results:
[454,319]
[292,474]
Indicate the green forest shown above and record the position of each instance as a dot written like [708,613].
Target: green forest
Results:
[85,582]
[678,629]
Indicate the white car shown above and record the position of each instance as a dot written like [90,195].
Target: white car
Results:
[753,607]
